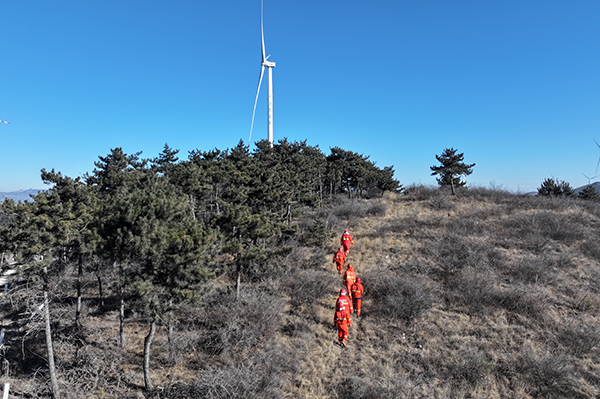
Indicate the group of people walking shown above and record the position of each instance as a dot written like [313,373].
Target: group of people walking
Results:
[350,298]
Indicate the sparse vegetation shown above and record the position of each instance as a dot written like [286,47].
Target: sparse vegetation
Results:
[490,295]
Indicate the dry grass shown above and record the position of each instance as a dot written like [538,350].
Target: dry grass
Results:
[481,295]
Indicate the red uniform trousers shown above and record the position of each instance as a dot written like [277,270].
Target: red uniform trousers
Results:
[346,245]
[357,293]
[356,304]
[342,323]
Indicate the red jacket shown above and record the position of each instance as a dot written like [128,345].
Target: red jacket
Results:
[340,257]
[349,277]
[344,304]
[357,290]
[341,317]
[347,237]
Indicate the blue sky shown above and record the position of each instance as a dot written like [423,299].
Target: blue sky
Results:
[514,85]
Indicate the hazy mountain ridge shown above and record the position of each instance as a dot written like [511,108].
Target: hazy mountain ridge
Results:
[21,195]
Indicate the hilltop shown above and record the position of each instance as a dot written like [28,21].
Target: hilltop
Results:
[483,294]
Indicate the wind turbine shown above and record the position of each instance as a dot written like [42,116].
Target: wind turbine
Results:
[598,164]
[589,178]
[265,63]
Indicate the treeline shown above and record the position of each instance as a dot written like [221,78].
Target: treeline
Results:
[154,231]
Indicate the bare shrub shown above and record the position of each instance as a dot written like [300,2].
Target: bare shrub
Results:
[356,387]
[474,289]
[420,192]
[534,269]
[453,252]
[315,232]
[441,203]
[578,337]
[550,373]
[94,368]
[398,297]
[494,194]
[307,286]
[523,300]
[468,225]
[306,258]
[591,248]
[232,325]
[377,209]
[359,209]
[259,376]
[536,230]
[471,367]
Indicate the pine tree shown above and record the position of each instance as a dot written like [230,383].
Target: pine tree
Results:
[451,168]
[589,193]
[555,188]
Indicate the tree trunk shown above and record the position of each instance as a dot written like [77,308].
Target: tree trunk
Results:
[121,307]
[452,184]
[193,203]
[79,277]
[238,283]
[51,366]
[121,319]
[100,292]
[320,190]
[238,280]
[147,345]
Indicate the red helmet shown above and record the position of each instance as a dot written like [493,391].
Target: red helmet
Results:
[350,266]
[343,291]
[341,249]
[358,279]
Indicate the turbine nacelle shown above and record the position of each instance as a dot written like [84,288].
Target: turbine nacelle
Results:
[268,64]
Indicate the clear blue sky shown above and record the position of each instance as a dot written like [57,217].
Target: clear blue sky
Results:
[515,85]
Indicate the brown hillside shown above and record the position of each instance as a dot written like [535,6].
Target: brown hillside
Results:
[480,295]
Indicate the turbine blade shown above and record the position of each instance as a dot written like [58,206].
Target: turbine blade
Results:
[262,36]
[8,123]
[598,164]
[262,71]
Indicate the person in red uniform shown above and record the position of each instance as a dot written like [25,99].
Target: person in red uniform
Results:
[342,317]
[344,303]
[342,323]
[346,241]
[339,259]
[357,291]
[349,278]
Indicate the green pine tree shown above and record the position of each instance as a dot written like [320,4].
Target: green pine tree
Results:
[451,168]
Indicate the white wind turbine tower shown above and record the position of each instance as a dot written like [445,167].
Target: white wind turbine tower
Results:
[265,63]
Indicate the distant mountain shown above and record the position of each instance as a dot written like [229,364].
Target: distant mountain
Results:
[21,195]
[596,186]
[577,190]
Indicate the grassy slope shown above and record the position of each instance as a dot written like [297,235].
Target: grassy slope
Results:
[512,291]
